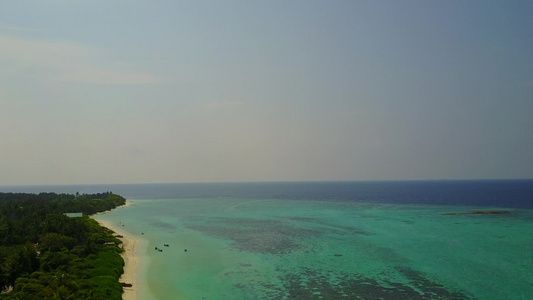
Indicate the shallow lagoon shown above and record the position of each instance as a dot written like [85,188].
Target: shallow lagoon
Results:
[312,249]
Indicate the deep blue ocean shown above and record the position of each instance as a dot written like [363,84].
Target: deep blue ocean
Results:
[483,193]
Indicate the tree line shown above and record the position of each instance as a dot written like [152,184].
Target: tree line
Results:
[45,254]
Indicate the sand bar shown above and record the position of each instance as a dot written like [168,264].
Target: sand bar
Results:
[131,260]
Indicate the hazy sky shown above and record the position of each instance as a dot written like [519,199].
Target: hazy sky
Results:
[183,91]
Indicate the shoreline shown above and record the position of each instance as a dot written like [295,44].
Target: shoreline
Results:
[131,260]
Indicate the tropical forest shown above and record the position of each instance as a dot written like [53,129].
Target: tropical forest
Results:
[51,249]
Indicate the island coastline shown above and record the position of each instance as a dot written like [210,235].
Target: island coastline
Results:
[131,260]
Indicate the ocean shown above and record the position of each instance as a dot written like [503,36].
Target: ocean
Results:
[328,240]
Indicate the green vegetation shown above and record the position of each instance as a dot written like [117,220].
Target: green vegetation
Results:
[47,255]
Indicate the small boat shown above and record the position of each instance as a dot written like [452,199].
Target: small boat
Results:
[166,245]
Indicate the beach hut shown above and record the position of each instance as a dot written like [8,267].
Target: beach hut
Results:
[74,215]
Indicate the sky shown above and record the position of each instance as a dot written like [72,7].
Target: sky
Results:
[222,91]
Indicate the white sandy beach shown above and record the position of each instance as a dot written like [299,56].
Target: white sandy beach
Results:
[131,260]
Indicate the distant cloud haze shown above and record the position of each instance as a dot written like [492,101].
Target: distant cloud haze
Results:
[67,62]
[179,91]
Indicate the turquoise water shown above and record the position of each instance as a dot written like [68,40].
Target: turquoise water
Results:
[301,249]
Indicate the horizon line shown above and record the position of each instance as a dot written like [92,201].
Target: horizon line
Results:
[264,181]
